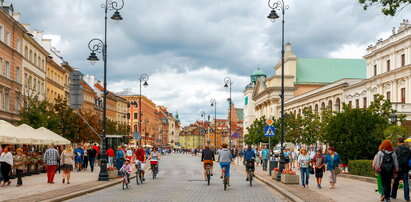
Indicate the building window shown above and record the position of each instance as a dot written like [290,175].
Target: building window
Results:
[128,115]
[6,99]
[388,97]
[7,69]
[35,59]
[1,33]
[402,95]
[8,38]
[357,103]
[31,56]
[18,75]
[26,52]
[337,105]
[402,60]
[135,115]
[388,65]
[375,70]
[18,103]
[350,104]
[364,102]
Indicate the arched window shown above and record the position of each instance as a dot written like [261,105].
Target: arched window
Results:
[316,108]
[330,105]
[26,52]
[322,106]
[337,105]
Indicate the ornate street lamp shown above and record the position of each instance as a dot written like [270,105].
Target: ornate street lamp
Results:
[280,6]
[143,78]
[100,46]
[213,103]
[227,84]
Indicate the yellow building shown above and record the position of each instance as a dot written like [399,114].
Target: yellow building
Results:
[190,137]
[56,80]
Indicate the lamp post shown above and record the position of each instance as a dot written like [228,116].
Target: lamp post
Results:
[213,103]
[143,78]
[275,6]
[100,46]
[203,115]
[227,84]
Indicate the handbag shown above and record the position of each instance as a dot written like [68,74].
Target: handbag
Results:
[310,169]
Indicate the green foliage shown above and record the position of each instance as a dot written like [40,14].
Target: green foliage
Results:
[389,7]
[355,133]
[256,132]
[393,132]
[361,167]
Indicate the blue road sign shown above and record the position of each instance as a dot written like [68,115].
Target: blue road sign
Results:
[269,131]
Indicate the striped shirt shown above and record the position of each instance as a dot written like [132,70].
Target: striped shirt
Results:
[51,156]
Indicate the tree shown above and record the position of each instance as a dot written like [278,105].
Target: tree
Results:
[393,132]
[256,132]
[389,7]
[355,133]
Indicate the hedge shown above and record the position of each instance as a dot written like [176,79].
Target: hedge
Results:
[361,167]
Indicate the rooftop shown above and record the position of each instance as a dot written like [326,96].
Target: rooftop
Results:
[327,70]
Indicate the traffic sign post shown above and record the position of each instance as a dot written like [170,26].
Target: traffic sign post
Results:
[269,131]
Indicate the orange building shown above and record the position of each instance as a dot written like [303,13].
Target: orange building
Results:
[11,59]
[150,123]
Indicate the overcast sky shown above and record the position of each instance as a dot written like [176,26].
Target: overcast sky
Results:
[189,46]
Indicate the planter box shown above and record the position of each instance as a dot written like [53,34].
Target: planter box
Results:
[112,174]
[274,174]
[290,179]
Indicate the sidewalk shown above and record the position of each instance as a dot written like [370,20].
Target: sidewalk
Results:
[346,189]
[35,187]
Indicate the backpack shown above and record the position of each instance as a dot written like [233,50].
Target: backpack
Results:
[387,164]
[403,155]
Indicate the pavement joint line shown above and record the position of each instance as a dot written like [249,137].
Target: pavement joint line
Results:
[91,190]
[290,196]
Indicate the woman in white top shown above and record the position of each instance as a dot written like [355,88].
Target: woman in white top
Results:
[6,162]
[303,163]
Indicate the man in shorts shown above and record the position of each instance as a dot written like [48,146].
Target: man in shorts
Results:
[207,157]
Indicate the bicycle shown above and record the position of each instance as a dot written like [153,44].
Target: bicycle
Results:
[139,174]
[125,180]
[250,172]
[225,178]
[154,170]
[208,173]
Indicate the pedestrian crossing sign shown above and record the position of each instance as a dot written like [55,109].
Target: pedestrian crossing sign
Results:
[269,131]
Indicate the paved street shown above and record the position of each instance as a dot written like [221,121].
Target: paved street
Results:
[179,180]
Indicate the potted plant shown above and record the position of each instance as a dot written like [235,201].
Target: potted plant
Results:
[112,172]
[289,177]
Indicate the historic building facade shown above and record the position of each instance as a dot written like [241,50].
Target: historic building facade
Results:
[302,75]
[11,64]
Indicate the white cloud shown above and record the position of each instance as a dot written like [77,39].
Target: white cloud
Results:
[349,51]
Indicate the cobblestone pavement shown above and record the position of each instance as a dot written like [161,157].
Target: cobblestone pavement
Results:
[180,180]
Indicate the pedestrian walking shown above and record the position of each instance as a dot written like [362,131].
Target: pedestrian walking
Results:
[303,163]
[92,153]
[85,158]
[332,160]
[386,164]
[6,163]
[20,161]
[265,153]
[67,162]
[120,157]
[110,154]
[403,156]
[51,158]
[319,166]
[78,158]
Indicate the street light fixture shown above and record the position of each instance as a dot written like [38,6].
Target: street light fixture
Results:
[100,46]
[227,84]
[213,103]
[275,6]
[142,78]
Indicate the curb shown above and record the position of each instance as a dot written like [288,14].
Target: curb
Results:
[285,193]
[360,178]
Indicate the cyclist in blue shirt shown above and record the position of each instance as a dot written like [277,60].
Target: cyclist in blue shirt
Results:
[249,159]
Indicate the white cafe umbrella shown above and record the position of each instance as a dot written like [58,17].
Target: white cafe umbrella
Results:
[7,133]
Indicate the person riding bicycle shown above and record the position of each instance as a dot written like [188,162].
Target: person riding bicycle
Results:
[249,159]
[154,158]
[207,157]
[140,156]
[126,170]
[225,157]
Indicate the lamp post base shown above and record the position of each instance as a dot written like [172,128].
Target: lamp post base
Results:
[103,175]
[281,167]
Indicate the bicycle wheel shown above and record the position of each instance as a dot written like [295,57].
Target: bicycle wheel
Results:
[250,178]
[137,177]
[208,178]
[124,184]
